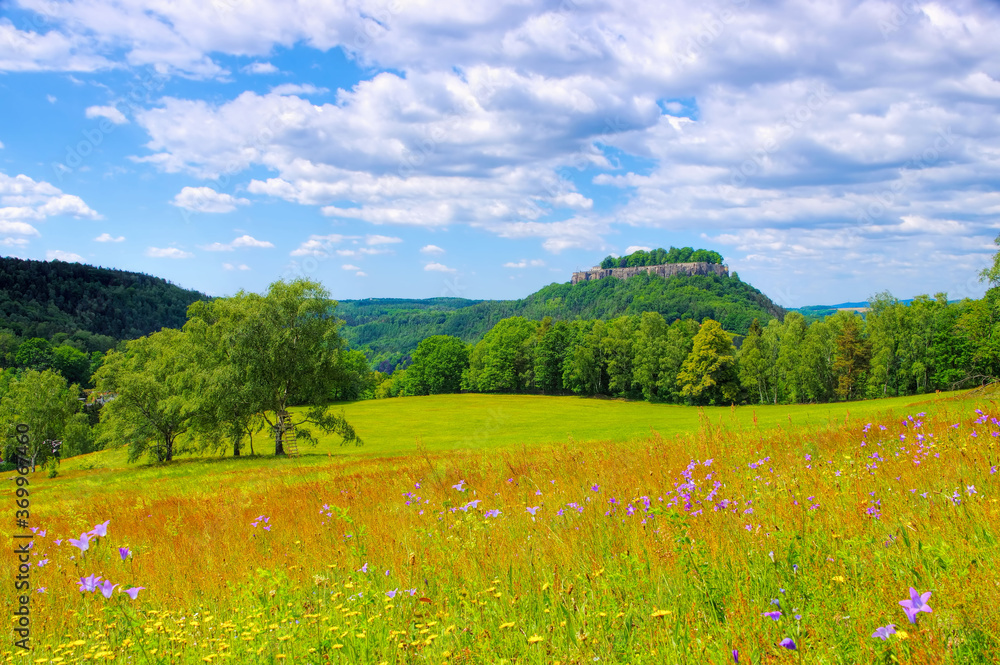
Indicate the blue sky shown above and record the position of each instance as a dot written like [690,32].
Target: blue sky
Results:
[415,149]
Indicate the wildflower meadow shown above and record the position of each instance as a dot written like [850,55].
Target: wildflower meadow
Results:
[864,541]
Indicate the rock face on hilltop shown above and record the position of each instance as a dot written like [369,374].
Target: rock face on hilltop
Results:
[664,270]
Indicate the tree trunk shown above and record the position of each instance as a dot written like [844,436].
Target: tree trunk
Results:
[279,432]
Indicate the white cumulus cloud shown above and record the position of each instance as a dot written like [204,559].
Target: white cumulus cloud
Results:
[23,198]
[321,246]
[206,199]
[107,237]
[109,112]
[381,240]
[438,267]
[297,89]
[431,249]
[58,254]
[242,241]
[168,253]
[524,263]
[260,68]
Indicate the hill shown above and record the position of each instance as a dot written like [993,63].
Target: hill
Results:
[98,306]
[44,298]
[393,326]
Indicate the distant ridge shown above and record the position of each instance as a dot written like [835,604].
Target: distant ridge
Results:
[392,327]
[42,298]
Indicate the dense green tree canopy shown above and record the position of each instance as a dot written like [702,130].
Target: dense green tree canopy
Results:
[46,404]
[151,383]
[709,374]
[502,361]
[93,306]
[438,364]
[394,328]
[275,351]
[662,256]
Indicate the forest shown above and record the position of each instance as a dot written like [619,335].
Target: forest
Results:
[893,349]
[235,364]
[660,256]
[92,308]
[389,330]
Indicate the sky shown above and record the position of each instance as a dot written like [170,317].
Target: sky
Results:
[829,150]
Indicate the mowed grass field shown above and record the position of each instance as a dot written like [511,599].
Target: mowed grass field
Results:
[468,422]
[475,529]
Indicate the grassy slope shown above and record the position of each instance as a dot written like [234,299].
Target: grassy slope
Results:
[676,585]
[439,423]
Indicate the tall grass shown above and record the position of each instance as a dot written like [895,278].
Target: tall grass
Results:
[651,550]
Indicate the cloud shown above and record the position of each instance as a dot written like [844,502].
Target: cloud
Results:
[859,121]
[431,249]
[524,263]
[23,199]
[58,254]
[636,248]
[109,112]
[242,241]
[361,273]
[230,266]
[1,145]
[260,68]
[348,266]
[29,51]
[438,267]
[206,199]
[107,237]
[8,227]
[297,89]
[381,240]
[365,150]
[167,253]
[321,246]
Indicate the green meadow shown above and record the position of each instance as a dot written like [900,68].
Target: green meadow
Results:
[532,529]
[469,422]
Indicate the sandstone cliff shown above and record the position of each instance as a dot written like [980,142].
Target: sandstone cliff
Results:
[664,270]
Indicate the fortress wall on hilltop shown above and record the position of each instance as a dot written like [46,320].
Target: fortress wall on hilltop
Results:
[664,270]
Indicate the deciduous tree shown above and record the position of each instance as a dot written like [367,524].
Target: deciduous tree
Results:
[708,375]
[438,364]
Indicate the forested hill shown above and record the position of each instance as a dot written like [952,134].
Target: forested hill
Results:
[43,298]
[393,326]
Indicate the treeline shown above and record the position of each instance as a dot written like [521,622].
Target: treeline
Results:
[389,330]
[894,349]
[93,307]
[660,256]
[231,372]
[39,354]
